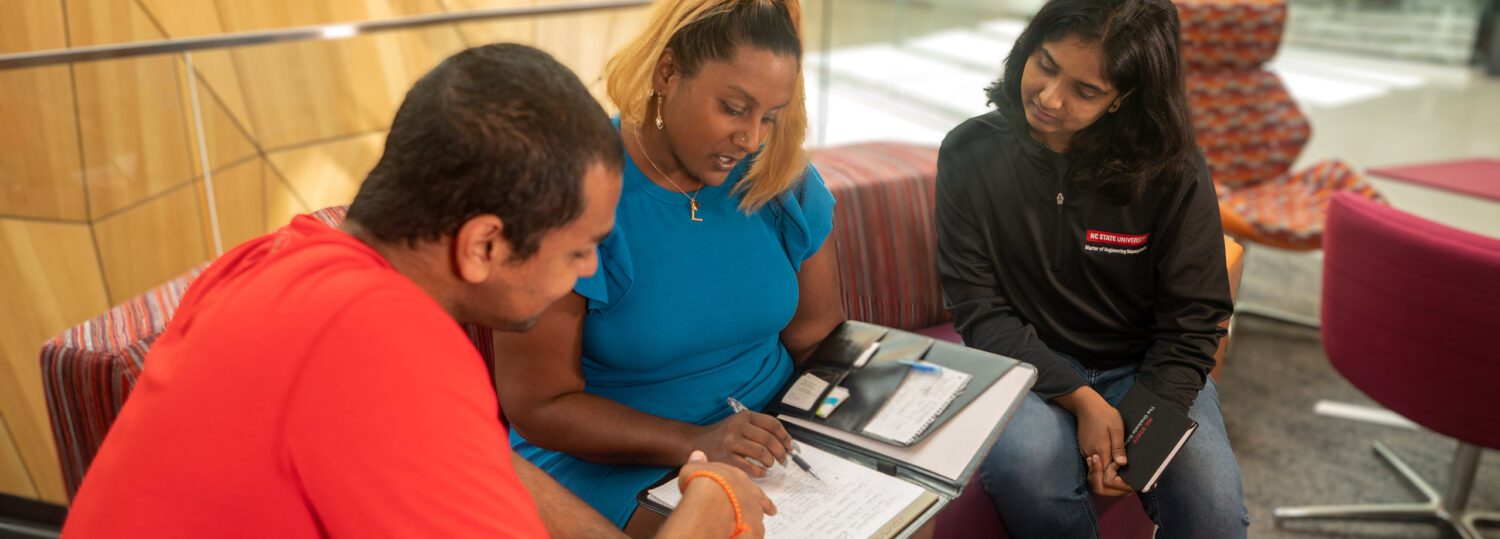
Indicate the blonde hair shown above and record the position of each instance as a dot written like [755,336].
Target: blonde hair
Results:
[781,161]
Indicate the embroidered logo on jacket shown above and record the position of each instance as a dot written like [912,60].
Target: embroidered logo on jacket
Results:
[1115,243]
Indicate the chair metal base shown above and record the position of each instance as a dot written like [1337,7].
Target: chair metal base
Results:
[1472,520]
[1438,509]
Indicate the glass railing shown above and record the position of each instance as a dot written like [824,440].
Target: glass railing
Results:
[901,70]
[161,139]
[1434,31]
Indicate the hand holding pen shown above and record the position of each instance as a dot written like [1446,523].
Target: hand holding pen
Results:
[795,449]
[749,441]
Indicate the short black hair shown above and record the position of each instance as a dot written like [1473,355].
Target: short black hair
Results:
[1151,136]
[502,129]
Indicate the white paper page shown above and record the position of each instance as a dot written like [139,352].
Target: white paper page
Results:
[850,502]
[919,399]
[950,448]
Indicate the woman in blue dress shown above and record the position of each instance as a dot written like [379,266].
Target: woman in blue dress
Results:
[716,279]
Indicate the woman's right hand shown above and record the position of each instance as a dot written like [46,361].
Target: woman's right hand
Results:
[1101,440]
[747,440]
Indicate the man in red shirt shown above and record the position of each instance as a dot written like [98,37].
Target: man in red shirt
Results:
[315,382]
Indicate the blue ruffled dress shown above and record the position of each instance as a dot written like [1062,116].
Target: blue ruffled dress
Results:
[682,314]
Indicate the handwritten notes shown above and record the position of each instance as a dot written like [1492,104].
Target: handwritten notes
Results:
[921,398]
[850,502]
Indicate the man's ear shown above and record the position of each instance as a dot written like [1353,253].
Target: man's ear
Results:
[479,247]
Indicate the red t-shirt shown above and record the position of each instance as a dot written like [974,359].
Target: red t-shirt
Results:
[307,389]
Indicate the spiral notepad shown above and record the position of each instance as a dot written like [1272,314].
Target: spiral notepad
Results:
[921,398]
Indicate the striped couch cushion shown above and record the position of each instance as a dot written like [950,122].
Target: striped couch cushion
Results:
[886,233]
[90,369]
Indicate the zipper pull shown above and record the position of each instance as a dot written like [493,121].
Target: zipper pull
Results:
[1059,199]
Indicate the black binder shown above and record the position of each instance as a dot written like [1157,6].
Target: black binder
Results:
[999,384]
[871,384]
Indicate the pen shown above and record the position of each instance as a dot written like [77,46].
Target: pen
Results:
[922,366]
[796,448]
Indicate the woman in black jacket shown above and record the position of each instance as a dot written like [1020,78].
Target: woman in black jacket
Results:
[1078,231]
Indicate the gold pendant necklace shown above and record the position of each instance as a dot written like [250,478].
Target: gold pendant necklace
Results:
[692,199]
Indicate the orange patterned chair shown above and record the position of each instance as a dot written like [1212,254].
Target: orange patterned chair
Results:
[1250,128]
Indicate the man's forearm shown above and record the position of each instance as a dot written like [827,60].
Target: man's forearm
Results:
[562,513]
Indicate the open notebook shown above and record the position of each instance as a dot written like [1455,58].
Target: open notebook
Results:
[850,502]
[919,400]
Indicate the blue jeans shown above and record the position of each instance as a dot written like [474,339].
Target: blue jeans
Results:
[1036,477]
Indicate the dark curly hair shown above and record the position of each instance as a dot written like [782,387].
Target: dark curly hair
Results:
[1150,137]
[501,129]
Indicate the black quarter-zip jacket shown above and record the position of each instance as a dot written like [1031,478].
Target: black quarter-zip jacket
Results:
[1034,263]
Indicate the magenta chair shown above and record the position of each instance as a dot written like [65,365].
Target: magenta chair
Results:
[1409,317]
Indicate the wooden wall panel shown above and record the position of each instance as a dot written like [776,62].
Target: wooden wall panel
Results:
[49,280]
[38,178]
[39,146]
[241,16]
[506,31]
[240,200]
[308,92]
[30,25]
[216,68]
[218,75]
[38,136]
[134,131]
[585,42]
[131,113]
[329,174]
[228,143]
[14,478]
[282,204]
[146,245]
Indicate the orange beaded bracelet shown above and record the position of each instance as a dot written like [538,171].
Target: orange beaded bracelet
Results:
[739,520]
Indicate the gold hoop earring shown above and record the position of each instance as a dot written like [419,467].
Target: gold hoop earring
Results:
[659,124]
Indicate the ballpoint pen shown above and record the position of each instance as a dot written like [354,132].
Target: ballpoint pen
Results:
[796,448]
[922,366]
